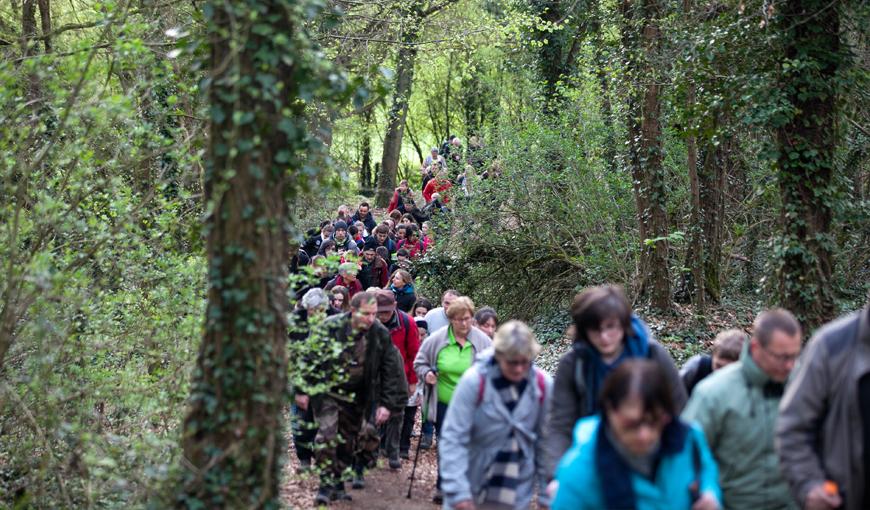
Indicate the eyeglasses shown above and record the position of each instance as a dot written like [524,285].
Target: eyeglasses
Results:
[519,362]
[782,358]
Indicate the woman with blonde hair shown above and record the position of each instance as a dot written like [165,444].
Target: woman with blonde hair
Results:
[402,285]
[491,437]
[442,359]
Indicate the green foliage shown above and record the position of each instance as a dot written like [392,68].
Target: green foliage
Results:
[555,221]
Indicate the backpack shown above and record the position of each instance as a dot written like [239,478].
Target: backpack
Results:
[539,378]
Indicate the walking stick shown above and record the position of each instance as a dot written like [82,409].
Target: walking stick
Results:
[419,440]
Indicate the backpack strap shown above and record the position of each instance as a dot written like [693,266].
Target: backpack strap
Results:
[481,388]
[542,386]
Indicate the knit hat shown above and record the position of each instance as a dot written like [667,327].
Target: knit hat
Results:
[340,225]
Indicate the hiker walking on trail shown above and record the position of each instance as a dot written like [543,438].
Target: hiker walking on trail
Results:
[440,185]
[406,338]
[823,432]
[736,408]
[374,271]
[486,320]
[607,334]
[491,434]
[444,357]
[375,379]
[346,278]
[402,287]
[436,318]
[637,453]
[727,347]
[364,214]
[312,308]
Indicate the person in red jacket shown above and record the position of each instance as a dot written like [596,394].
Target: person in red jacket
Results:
[406,338]
[440,184]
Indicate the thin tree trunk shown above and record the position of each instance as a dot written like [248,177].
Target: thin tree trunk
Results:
[396,117]
[696,246]
[233,434]
[365,169]
[45,21]
[447,95]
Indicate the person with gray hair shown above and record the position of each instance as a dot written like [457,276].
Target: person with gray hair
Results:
[491,435]
[314,299]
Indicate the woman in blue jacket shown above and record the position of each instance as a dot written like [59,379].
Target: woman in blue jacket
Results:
[637,453]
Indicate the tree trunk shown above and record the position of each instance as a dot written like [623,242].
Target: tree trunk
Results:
[365,169]
[806,141]
[649,176]
[233,434]
[45,23]
[696,246]
[396,117]
[711,183]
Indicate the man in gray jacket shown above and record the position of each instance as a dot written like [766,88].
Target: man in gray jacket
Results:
[824,418]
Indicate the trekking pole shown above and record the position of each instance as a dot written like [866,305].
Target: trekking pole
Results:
[419,440]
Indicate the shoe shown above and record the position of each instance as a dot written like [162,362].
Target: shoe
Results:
[358,482]
[304,466]
[338,493]
[323,497]
[395,463]
[426,442]
[404,454]
[438,498]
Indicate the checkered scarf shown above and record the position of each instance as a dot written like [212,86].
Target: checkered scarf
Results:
[502,475]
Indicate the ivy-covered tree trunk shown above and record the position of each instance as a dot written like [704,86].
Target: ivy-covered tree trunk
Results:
[712,179]
[398,111]
[645,141]
[807,138]
[233,436]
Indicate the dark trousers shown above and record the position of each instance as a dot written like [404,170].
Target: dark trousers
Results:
[407,428]
[442,413]
[390,435]
[339,424]
[304,432]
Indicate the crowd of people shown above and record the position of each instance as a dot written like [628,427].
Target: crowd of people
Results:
[757,424]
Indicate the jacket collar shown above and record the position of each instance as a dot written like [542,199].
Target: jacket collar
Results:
[751,371]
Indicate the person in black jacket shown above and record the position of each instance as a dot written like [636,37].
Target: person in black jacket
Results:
[606,334]
[364,214]
[312,245]
[370,375]
[726,350]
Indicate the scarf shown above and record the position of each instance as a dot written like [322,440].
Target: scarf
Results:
[636,345]
[615,473]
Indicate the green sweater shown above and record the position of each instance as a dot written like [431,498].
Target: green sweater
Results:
[739,421]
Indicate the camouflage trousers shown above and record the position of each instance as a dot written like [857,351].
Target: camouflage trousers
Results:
[344,439]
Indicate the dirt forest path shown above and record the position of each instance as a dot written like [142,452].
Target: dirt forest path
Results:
[385,489]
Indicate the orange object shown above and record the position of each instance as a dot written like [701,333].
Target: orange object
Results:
[831,487]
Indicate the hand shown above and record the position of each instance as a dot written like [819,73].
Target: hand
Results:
[819,499]
[706,502]
[412,388]
[464,505]
[431,377]
[381,415]
[302,402]
[551,489]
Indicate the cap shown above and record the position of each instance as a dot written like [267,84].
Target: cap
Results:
[386,301]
